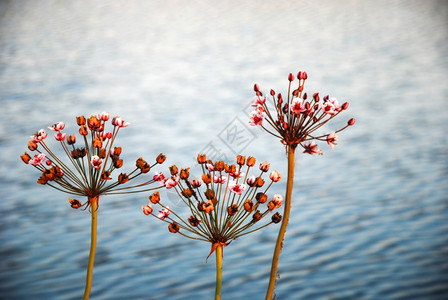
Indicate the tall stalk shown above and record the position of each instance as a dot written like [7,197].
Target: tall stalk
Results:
[94,212]
[281,233]
[218,272]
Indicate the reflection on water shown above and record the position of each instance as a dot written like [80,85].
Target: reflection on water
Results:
[369,219]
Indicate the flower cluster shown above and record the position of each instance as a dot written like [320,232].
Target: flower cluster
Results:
[92,162]
[223,204]
[296,118]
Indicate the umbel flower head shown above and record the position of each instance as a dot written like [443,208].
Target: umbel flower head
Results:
[294,119]
[88,167]
[223,204]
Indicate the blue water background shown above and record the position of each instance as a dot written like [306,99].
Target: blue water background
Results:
[369,219]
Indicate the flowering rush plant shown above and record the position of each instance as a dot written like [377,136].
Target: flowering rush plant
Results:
[87,169]
[224,204]
[294,119]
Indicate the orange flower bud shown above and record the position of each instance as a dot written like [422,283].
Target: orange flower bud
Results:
[207,206]
[93,123]
[32,145]
[248,205]
[98,142]
[184,173]
[210,194]
[257,216]
[261,197]
[75,203]
[259,182]
[118,163]
[81,120]
[276,218]
[83,130]
[117,151]
[160,158]
[42,180]
[142,165]
[206,178]
[187,193]
[202,159]
[231,169]
[240,160]
[105,176]
[155,198]
[219,165]
[250,161]
[174,170]
[123,178]
[103,153]
[276,202]
[26,158]
[194,221]
[173,227]
[147,209]
[232,210]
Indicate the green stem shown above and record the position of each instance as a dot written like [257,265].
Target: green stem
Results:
[218,272]
[282,231]
[94,212]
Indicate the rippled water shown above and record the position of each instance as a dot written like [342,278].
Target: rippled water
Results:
[369,219]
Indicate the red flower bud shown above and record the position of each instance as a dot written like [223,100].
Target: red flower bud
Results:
[272,92]
[351,122]
[344,106]
[256,88]
[290,77]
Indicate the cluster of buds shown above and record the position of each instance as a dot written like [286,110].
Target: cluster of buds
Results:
[295,119]
[223,204]
[92,163]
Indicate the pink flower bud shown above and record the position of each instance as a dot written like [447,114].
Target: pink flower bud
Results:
[57,126]
[104,116]
[275,176]
[38,159]
[351,122]
[344,106]
[96,162]
[195,183]
[60,136]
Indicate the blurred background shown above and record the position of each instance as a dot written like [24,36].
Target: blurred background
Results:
[369,219]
